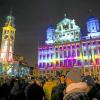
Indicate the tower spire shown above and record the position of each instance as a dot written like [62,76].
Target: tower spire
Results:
[90,10]
[65,15]
[11,11]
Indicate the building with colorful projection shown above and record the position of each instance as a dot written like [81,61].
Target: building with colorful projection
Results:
[8,37]
[7,42]
[8,63]
[66,48]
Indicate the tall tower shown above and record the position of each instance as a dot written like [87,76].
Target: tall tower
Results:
[8,37]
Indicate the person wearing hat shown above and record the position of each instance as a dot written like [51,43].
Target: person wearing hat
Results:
[75,88]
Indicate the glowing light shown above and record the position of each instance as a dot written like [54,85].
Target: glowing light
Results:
[67,52]
[66,31]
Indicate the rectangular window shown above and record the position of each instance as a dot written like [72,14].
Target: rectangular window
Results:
[97,61]
[40,65]
[71,26]
[56,54]
[65,63]
[70,63]
[74,62]
[84,53]
[65,54]
[78,52]
[43,56]
[60,55]
[85,62]
[51,55]
[65,27]
[78,62]
[73,53]
[40,56]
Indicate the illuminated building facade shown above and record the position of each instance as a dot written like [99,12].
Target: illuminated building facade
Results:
[66,31]
[65,48]
[9,61]
[7,43]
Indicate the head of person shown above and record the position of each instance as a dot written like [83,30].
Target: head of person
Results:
[73,76]
[62,79]
[32,80]
[57,81]
[89,80]
[38,81]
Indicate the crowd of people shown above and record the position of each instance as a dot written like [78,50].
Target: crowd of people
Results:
[69,87]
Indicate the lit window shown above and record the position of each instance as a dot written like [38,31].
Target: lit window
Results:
[73,53]
[64,47]
[79,62]
[40,56]
[78,52]
[74,61]
[56,49]
[51,64]
[47,56]
[84,53]
[56,55]
[48,65]
[64,53]
[51,55]
[97,61]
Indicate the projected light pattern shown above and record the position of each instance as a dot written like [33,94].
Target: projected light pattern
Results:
[66,31]
[8,38]
[93,28]
[68,54]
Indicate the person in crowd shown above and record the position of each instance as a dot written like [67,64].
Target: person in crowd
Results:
[35,91]
[98,79]
[94,92]
[5,89]
[56,91]
[48,86]
[75,90]
[59,89]
[17,91]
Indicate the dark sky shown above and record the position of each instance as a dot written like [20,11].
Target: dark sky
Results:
[32,17]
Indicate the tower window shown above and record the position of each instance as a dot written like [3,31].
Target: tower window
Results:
[76,38]
[71,33]
[71,26]
[65,26]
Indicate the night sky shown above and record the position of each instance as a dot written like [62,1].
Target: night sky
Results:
[32,17]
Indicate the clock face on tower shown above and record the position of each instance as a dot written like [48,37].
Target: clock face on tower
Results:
[6,37]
